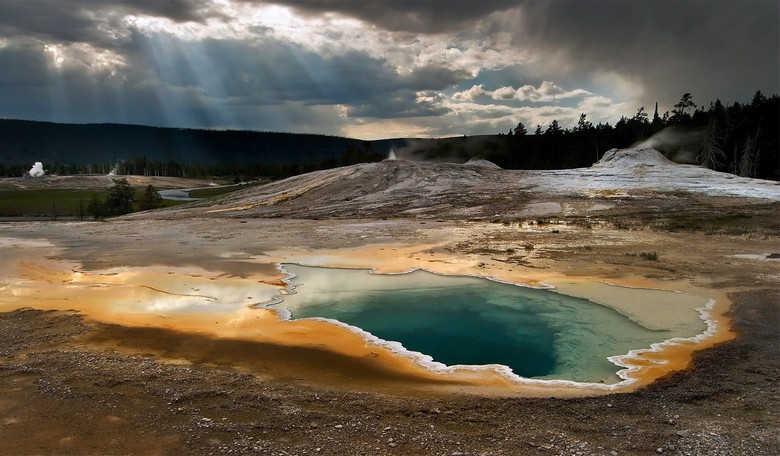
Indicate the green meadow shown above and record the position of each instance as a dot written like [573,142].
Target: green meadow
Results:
[51,203]
[47,202]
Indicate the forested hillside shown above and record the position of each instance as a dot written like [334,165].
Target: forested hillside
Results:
[134,149]
[742,138]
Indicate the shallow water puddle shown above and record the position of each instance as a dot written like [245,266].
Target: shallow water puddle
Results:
[446,321]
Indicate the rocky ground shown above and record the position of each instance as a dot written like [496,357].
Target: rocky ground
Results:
[74,386]
[62,397]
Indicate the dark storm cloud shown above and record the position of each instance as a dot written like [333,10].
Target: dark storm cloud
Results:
[434,78]
[714,48]
[22,64]
[399,104]
[273,72]
[172,81]
[711,48]
[78,20]
[431,16]
[263,73]
[72,94]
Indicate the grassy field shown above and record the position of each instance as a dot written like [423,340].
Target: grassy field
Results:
[46,203]
[53,203]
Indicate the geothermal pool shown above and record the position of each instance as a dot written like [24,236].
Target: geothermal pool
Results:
[446,321]
[587,331]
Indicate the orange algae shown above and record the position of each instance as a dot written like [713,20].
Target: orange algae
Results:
[127,297]
[678,355]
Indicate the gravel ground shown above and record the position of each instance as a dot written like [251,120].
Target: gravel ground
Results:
[60,395]
[69,385]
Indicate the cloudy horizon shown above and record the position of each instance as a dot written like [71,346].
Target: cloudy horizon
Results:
[378,69]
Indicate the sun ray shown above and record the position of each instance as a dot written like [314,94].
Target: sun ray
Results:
[58,97]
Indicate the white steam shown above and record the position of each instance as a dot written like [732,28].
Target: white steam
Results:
[37,170]
[391,155]
[679,144]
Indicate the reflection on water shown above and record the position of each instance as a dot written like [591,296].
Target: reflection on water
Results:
[473,321]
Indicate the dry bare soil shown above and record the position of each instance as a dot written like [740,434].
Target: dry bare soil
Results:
[73,386]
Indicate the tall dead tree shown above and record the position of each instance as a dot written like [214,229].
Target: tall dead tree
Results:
[748,164]
[712,155]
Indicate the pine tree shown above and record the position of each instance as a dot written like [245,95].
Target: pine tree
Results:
[583,124]
[712,154]
[749,161]
[96,208]
[656,118]
[682,106]
[120,198]
[151,199]
[553,129]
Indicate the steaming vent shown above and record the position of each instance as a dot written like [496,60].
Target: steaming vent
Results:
[37,170]
[482,163]
[629,158]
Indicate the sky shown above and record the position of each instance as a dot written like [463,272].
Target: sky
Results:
[378,69]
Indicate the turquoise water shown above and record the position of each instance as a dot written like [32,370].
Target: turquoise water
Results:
[472,321]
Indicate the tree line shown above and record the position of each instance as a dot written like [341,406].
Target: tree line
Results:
[741,138]
[361,152]
[107,144]
[122,199]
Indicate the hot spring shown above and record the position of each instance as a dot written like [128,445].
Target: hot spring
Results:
[455,320]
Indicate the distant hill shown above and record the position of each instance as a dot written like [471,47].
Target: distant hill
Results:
[24,142]
[742,139]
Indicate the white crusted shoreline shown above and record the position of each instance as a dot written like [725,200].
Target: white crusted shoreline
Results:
[704,314]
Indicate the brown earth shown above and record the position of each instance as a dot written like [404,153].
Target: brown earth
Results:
[71,385]
[96,181]
[62,397]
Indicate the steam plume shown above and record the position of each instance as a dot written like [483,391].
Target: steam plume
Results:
[678,144]
[37,170]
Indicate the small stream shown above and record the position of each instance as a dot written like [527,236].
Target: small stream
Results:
[178,194]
